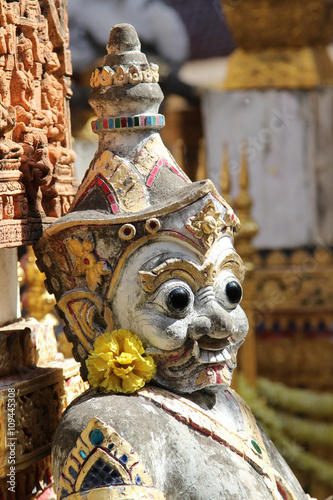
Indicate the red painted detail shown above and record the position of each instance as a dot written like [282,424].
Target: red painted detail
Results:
[174,169]
[127,231]
[105,123]
[281,490]
[114,208]
[162,162]
[152,224]
[111,198]
[150,181]
[154,171]
[123,121]
[86,261]
[142,120]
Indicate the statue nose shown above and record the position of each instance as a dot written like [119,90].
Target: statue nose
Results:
[209,317]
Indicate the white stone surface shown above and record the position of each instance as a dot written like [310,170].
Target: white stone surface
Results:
[9,289]
[290,151]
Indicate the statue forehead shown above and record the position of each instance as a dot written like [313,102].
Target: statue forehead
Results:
[158,250]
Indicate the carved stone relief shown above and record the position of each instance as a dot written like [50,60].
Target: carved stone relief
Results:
[36,159]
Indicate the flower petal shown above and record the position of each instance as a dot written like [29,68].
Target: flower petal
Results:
[93,278]
[87,245]
[132,383]
[74,246]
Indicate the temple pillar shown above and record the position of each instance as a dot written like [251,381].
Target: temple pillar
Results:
[9,292]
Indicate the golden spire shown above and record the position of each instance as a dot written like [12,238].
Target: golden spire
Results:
[243,205]
[225,175]
[201,173]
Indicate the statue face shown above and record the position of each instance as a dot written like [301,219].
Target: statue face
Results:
[185,309]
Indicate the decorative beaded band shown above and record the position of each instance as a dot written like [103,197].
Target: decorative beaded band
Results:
[137,121]
[121,75]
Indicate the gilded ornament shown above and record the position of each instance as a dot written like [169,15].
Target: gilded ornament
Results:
[207,226]
[152,225]
[100,450]
[87,262]
[127,232]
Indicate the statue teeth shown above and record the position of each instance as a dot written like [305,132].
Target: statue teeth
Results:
[196,350]
[220,356]
[204,356]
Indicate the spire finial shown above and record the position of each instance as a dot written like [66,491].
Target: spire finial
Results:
[243,205]
[225,174]
[201,173]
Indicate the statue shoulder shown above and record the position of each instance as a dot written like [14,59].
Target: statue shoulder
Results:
[100,457]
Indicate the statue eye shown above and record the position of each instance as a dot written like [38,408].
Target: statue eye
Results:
[178,299]
[233,291]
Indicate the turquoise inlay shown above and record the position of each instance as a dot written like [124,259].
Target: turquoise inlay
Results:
[96,437]
[83,455]
[256,447]
[154,120]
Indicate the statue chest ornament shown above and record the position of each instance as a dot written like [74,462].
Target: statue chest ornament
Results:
[149,285]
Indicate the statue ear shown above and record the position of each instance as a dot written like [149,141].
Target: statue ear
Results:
[83,313]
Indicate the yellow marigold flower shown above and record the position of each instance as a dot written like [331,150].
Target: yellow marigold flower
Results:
[118,363]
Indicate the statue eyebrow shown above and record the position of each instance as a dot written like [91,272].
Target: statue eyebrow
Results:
[196,276]
[234,263]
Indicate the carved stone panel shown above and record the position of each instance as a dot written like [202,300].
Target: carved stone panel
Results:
[36,159]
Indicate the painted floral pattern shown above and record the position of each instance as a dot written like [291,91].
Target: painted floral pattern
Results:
[87,263]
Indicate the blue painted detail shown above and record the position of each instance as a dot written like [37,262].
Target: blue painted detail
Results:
[101,474]
[111,446]
[64,493]
[138,480]
[83,455]
[111,124]
[72,471]
[149,120]
[130,121]
[96,437]
[123,459]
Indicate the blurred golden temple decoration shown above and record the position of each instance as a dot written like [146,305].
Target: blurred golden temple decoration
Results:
[280,44]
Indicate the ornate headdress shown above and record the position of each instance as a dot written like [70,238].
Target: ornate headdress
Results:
[132,193]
